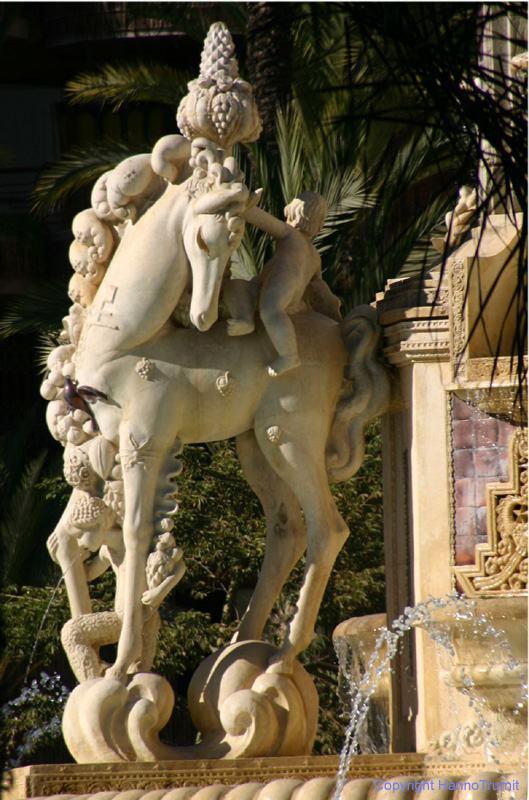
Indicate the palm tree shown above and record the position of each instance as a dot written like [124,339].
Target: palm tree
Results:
[311,141]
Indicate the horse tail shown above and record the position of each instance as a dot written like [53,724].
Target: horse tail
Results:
[363,397]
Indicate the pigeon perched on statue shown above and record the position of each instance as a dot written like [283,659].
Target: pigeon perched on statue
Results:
[78,398]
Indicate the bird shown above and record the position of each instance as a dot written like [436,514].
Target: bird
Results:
[78,397]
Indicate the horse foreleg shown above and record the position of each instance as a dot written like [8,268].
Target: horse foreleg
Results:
[141,467]
[285,534]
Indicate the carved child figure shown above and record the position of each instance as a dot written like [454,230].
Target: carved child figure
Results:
[83,635]
[88,527]
[286,276]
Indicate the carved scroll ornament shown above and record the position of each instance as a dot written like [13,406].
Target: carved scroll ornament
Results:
[501,564]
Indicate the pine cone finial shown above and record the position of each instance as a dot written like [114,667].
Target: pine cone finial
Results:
[219,107]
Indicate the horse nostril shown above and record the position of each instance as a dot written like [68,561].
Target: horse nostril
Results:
[201,322]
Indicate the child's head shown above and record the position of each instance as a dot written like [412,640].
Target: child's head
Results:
[307,213]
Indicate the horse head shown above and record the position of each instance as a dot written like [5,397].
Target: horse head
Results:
[212,230]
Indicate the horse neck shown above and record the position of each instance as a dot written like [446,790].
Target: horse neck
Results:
[144,281]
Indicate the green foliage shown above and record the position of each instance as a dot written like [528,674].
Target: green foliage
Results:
[118,84]
[219,524]
[187,637]
[33,719]
[79,168]
[27,515]
[31,620]
[55,488]
[38,311]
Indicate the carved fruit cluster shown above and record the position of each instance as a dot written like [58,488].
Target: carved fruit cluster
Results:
[88,512]
[161,562]
[114,498]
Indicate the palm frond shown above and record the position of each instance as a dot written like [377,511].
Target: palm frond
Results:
[119,84]
[18,522]
[46,342]
[39,310]
[81,167]
[293,155]
[252,254]
[345,192]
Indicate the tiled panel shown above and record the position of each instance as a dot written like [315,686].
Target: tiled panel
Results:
[479,457]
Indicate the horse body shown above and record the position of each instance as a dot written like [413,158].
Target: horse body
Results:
[282,425]
[186,382]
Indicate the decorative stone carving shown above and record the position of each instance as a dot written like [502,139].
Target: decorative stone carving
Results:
[457,295]
[143,361]
[226,384]
[219,106]
[414,314]
[459,220]
[484,268]
[458,740]
[239,709]
[145,368]
[501,564]
[294,778]
[274,434]
[125,192]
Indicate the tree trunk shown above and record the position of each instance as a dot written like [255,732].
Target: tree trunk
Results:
[269,59]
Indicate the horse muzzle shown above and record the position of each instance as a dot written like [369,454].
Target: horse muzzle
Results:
[204,320]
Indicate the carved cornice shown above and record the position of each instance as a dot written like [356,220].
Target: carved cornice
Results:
[501,370]
[267,777]
[417,340]
[501,563]
[493,386]
[414,315]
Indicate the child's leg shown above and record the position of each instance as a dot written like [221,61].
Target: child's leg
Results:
[276,296]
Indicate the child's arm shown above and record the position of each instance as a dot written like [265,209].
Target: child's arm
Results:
[99,564]
[267,223]
[154,597]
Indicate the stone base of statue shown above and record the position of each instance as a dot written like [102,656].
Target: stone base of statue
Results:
[239,708]
[294,778]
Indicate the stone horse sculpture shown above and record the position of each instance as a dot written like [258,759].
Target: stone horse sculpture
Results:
[147,367]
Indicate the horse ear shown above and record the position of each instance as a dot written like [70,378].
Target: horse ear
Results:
[254,199]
